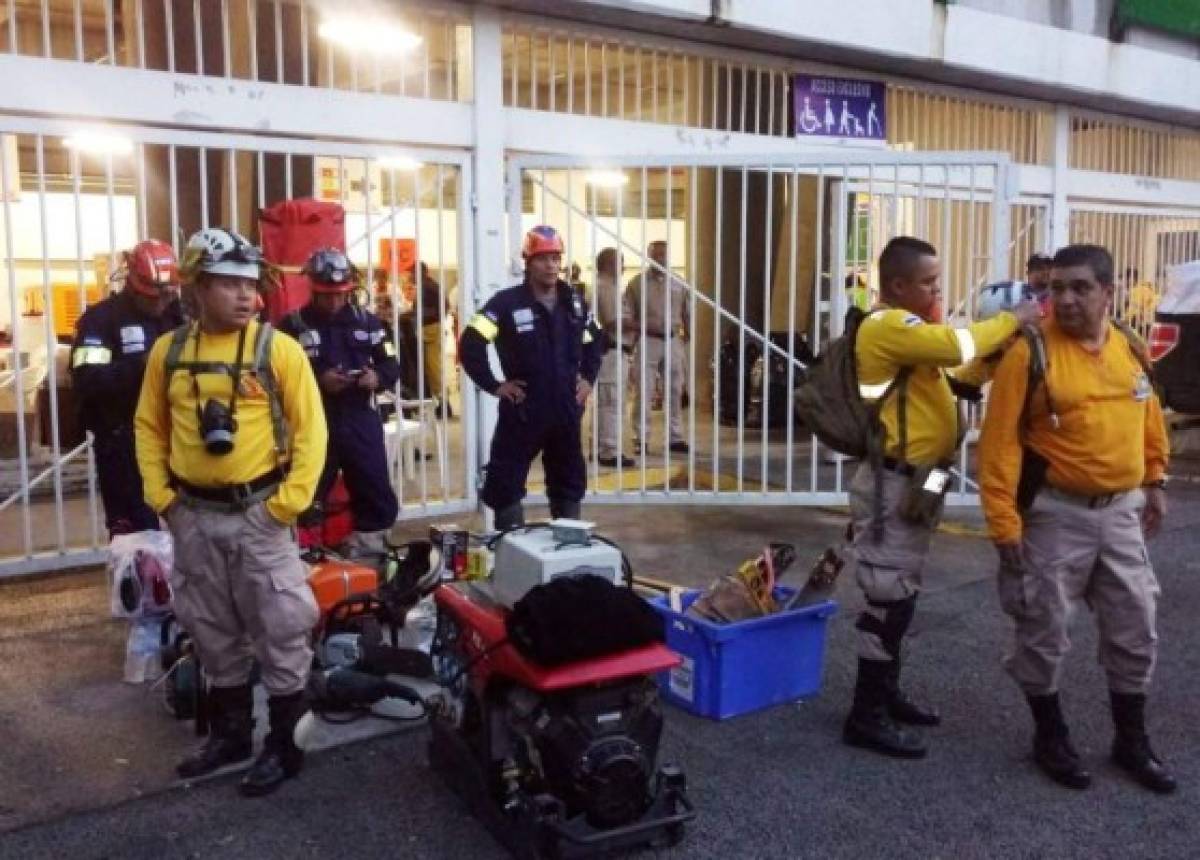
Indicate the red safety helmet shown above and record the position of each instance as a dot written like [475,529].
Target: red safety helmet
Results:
[151,267]
[330,271]
[541,240]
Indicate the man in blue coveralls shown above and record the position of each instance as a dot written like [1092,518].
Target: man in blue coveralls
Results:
[108,359]
[352,358]
[550,350]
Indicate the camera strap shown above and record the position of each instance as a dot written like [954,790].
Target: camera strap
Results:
[236,373]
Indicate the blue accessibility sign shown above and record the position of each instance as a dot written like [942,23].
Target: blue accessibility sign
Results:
[839,107]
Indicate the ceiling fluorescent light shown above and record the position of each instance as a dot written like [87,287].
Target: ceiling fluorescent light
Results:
[607,178]
[98,143]
[373,35]
[398,162]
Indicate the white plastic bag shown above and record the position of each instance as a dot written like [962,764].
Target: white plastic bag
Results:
[142,648]
[139,565]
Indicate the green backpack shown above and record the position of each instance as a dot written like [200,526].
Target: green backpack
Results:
[830,403]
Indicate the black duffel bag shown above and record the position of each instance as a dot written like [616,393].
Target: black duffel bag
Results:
[580,617]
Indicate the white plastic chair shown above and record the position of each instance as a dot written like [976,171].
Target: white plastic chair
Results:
[401,437]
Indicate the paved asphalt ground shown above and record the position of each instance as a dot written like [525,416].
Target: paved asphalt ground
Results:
[85,760]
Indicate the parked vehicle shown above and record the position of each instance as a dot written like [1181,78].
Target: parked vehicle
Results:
[1175,340]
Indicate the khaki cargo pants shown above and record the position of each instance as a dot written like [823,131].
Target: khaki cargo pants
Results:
[1073,552]
[241,591]
[888,570]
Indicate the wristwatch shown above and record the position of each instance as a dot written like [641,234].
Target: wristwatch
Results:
[1159,484]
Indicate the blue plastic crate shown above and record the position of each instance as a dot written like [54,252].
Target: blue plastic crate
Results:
[733,669]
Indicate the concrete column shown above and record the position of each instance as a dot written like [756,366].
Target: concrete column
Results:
[1060,214]
[489,191]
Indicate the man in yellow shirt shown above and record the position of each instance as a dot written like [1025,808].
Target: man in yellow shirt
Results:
[230,442]
[903,351]
[1091,436]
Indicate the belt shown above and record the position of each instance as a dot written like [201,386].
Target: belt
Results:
[1102,500]
[894,465]
[232,497]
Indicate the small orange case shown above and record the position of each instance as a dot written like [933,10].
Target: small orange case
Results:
[333,581]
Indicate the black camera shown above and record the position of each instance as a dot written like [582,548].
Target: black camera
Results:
[217,426]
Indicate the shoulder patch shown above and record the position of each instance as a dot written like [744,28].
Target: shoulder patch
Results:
[911,320]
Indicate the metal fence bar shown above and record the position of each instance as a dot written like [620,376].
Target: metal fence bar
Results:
[643,295]
[18,363]
[226,58]
[198,31]
[765,407]
[422,384]
[51,344]
[78,10]
[794,226]
[694,278]
[718,300]
[741,400]
[672,327]
[47,49]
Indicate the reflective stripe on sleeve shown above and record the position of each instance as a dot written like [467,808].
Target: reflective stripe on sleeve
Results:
[872,391]
[966,344]
[485,327]
[91,355]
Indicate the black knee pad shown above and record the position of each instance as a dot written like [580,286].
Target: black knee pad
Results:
[897,616]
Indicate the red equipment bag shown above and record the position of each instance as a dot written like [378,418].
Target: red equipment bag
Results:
[290,231]
[338,521]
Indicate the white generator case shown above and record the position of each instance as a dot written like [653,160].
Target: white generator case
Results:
[528,558]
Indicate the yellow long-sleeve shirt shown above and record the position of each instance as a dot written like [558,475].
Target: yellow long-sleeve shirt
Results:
[168,432]
[891,339]
[1111,435]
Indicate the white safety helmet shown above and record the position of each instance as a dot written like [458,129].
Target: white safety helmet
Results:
[218,251]
[1001,296]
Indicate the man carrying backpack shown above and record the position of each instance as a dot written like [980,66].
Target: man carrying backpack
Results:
[230,442]
[1072,460]
[902,351]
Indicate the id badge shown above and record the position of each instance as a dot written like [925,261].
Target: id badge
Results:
[936,480]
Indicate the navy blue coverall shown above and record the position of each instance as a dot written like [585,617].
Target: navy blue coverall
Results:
[108,359]
[549,351]
[352,339]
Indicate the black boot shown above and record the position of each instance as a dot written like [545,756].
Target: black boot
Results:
[1131,747]
[564,510]
[901,708]
[280,758]
[1052,749]
[509,517]
[869,725]
[231,727]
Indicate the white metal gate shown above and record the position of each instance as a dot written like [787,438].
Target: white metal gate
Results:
[769,251]
[1145,242]
[71,202]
